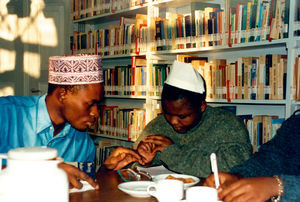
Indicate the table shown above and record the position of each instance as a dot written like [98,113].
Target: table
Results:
[109,192]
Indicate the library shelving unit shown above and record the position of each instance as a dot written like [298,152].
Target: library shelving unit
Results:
[250,47]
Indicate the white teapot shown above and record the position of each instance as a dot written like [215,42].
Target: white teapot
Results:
[32,175]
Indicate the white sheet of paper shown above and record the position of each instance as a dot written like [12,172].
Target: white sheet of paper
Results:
[155,170]
[86,186]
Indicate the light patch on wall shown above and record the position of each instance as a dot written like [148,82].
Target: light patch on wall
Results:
[37,29]
[32,64]
[7,26]
[34,29]
[6,90]
[7,60]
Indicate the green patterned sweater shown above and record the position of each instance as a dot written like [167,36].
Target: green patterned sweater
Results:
[218,131]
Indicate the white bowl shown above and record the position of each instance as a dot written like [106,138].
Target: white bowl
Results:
[136,188]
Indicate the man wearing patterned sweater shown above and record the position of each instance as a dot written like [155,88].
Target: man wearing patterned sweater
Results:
[187,133]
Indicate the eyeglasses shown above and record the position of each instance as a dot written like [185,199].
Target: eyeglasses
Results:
[129,174]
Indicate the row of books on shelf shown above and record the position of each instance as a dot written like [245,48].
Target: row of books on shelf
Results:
[122,123]
[257,78]
[261,128]
[81,9]
[125,80]
[204,25]
[113,40]
[125,123]
[258,18]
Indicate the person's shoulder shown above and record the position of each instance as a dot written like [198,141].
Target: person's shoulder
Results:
[222,116]
[26,101]
[296,115]
[158,122]
[158,119]
[293,120]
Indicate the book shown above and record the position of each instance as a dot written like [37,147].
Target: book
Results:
[267,90]
[297,79]
[275,125]
[254,78]
[257,132]
[199,6]
[261,77]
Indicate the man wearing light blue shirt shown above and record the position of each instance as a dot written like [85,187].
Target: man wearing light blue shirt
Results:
[60,118]
[25,122]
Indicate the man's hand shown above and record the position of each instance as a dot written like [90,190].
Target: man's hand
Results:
[146,151]
[258,189]
[161,142]
[74,175]
[121,157]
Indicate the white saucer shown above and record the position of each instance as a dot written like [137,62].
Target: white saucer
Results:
[136,188]
[163,176]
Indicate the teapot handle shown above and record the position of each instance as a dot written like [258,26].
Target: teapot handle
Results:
[2,156]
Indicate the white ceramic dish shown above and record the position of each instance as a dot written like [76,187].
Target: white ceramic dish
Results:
[163,176]
[136,188]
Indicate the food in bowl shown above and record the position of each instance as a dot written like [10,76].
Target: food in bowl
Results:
[184,180]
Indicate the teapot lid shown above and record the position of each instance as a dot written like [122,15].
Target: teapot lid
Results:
[32,153]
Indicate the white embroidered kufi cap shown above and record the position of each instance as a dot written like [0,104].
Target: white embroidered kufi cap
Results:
[184,76]
[75,69]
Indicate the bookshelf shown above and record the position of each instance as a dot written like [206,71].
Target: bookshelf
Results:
[240,31]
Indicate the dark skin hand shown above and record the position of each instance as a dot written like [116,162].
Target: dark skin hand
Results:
[161,142]
[236,189]
[74,175]
[147,151]
[121,157]
[148,147]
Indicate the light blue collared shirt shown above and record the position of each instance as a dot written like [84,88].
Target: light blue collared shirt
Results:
[25,122]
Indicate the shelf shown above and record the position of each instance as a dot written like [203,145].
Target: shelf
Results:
[244,102]
[296,102]
[120,56]
[248,102]
[235,47]
[111,137]
[178,3]
[126,96]
[128,12]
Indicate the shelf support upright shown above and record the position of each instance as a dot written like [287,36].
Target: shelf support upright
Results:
[291,46]
[151,12]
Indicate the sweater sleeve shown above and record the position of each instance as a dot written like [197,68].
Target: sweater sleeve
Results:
[291,185]
[195,160]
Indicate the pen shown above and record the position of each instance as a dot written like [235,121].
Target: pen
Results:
[214,168]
